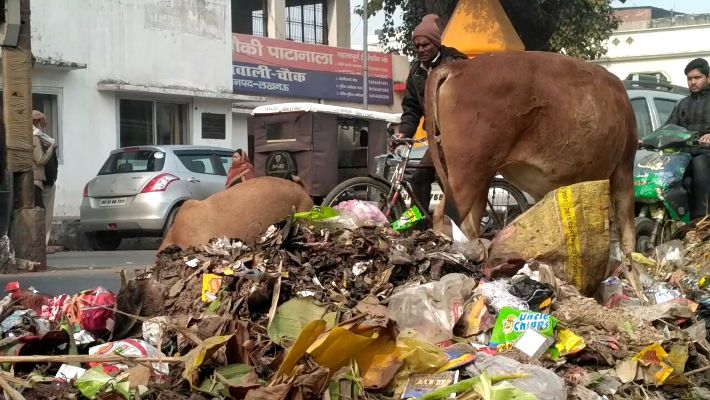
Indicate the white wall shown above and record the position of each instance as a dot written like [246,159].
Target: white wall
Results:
[240,139]
[151,42]
[165,43]
[200,106]
[666,50]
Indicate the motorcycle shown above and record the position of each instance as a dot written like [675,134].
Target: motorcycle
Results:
[660,194]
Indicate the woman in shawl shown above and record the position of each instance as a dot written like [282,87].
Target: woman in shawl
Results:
[241,169]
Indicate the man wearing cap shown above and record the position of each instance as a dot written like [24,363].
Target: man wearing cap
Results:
[430,54]
[43,154]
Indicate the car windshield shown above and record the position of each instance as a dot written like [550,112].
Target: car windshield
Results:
[128,161]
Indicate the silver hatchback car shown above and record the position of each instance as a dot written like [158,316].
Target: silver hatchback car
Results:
[139,190]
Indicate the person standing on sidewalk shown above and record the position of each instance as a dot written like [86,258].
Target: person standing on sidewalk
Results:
[45,170]
[241,169]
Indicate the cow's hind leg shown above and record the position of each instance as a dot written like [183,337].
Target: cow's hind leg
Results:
[472,207]
[622,197]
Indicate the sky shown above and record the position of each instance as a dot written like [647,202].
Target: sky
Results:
[684,6]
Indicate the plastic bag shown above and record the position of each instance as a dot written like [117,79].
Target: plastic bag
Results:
[132,348]
[658,170]
[498,296]
[539,381]
[92,310]
[433,309]
[364,212]
[567,343]
[211,285]
[420,356]
[95,382]
[153,330]
[536,295]
[408,219]
[328,218]
[568,230]
[609,288]
[511,324]
[669,255]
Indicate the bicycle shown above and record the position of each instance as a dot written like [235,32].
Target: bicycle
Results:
[389,189]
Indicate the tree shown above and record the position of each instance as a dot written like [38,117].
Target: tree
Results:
[575,27]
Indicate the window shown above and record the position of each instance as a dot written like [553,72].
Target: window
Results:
[305,21]
[280,132]
[249,17]
[664,107]
[226,160]
[352,143]
[643,118]
[133,161]
[214,126]
[151,123]
[202,162]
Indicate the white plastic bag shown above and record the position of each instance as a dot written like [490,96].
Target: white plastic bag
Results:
[432,310]
[539,381]
[363,213]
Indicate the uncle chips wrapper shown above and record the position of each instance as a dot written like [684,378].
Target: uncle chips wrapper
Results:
[512,323]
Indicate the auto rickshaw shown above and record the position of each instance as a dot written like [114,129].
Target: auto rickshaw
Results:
[323,145]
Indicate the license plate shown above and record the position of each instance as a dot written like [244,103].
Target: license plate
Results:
[120,201]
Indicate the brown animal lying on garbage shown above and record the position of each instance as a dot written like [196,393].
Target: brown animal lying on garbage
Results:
[543,120]
[243,211]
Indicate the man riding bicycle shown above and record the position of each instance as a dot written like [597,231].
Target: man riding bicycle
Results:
[430,54]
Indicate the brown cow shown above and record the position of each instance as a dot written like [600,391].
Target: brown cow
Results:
[543,120]
[243,211]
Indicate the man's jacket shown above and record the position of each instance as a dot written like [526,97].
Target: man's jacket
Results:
[413,101]
[693,113]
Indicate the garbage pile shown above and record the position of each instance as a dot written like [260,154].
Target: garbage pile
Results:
[320,308]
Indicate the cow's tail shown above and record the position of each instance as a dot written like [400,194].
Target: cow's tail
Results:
[434,82]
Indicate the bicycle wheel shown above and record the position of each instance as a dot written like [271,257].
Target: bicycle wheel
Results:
[365,189]
[505,203]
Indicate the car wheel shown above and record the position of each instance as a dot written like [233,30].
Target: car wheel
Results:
[170,220]
[104,241]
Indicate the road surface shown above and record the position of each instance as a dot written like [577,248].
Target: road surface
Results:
[72,272]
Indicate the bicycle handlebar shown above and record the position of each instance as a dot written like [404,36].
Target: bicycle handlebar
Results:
[406,140]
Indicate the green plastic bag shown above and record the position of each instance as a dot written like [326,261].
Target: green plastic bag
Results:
[95,382]
[410,218]
[317,214]
[512,323]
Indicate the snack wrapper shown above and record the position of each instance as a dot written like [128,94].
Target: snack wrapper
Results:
[408,219]
[512,323]
[211,284]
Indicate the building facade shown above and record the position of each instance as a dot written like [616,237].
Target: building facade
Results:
[264,29]
[115,73]
[656,43]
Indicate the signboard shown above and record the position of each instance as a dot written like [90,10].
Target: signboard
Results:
[264,66]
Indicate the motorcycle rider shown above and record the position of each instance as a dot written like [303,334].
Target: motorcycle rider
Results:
[430,54]
[693,113]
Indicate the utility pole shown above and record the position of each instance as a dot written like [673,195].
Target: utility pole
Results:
[27,232]
[364,54]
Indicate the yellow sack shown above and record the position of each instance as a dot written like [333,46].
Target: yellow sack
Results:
[568,229]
